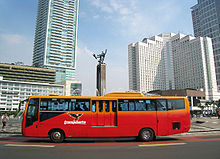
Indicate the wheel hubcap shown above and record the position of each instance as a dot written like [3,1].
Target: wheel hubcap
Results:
[57,135]
[146,135]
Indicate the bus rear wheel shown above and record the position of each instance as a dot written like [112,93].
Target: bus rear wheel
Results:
[56,136]
[146,135]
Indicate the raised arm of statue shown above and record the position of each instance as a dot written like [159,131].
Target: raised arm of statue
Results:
[101,57]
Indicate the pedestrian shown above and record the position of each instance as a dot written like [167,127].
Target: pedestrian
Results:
[4,120]
[218,113]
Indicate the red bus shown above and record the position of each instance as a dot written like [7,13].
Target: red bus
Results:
[112,115]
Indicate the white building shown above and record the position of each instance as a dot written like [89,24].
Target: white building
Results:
[13,93]
[149,61]
[172,61]
[72,88]
[55,37]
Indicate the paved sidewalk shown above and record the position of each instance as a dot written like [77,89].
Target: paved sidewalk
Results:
[198,126]
[13,127]
[205,124]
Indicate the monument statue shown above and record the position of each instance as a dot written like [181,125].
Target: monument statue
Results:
[101,73]
[101,57]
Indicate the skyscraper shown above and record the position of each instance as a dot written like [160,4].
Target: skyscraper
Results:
[206,20]
[172,61]
[150,64]
[55,37]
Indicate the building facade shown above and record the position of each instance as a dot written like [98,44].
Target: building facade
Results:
[149,61]
[72,88]
[172,61]
[27,73]
[206,20]
[55,37]
[14,93]
[17,83]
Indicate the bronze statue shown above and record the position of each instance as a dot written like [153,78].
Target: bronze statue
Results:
[101,57]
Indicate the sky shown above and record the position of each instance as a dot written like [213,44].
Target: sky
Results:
[102,24]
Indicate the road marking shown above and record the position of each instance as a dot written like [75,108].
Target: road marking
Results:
[165,144]
[23,145]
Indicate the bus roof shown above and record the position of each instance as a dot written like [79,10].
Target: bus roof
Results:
[111,95]
[127,94]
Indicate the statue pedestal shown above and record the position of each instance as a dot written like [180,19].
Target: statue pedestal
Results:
[101,79]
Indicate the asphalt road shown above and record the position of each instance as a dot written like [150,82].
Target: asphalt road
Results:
[196,147]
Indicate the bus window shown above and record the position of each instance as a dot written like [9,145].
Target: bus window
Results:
[161,104]
[32,111]
[100,106]
[131,105]
[54,104]
[93,106]
[82,105]
[107,106]
[122,105]
[175,104]
[150,105]
[63,104]
[72,105]
[114,106]
[59,104]
[140,105]
[43,104]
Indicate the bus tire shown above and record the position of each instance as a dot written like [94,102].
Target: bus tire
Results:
[146,135]
[56,135]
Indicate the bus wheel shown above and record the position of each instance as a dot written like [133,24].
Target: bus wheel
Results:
[56,136]
[146,135]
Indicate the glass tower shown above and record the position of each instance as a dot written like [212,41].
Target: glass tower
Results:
[206,22]
[55,37]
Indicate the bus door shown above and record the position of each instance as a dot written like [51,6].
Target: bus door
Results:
[32,115]
[110,113]
[113,112]
[102,114]
[162,117]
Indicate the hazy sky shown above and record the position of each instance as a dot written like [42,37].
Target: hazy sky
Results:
[103,24]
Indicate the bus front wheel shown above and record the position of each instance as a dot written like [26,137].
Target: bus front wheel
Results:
[56,136]
[146,135]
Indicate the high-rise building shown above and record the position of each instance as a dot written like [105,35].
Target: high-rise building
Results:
[206,20]
[55,37]
[150,66]
[172,61]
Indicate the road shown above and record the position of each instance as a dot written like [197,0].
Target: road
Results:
[201,147]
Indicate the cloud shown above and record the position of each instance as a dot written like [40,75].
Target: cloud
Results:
[12,46]
[103,6]
[13,39]
[115,4]
[112,6]
[96,17]
[137,18]
[124,11]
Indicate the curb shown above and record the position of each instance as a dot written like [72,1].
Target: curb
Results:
[196,131]
[10,133]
